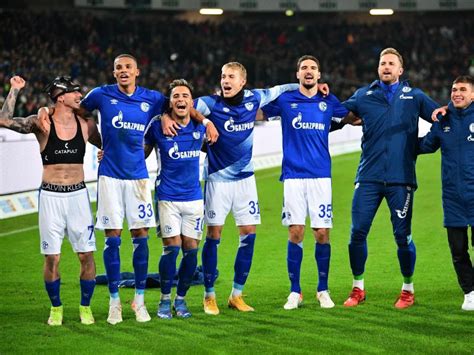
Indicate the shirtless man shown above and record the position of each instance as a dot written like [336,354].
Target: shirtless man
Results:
[64,206]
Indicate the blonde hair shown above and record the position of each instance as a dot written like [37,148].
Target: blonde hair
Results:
[236,65]
[392,51]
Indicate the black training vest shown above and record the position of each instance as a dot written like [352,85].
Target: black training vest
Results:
[58,151]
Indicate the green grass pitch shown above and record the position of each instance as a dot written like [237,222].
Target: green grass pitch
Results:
[435,324]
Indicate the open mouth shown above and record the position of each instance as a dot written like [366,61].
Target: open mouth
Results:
[181,107]
[309,77]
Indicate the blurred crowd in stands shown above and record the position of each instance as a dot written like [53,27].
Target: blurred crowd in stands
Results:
[40,46]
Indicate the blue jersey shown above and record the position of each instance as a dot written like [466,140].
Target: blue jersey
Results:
[178,161]
[454,133]
[123,120]
[230,158]
[305,124]
[390,132]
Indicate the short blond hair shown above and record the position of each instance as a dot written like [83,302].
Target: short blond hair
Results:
[392,51]
[236,65]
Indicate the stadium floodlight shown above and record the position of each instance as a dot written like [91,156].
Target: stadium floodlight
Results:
[381,12]
[211,11]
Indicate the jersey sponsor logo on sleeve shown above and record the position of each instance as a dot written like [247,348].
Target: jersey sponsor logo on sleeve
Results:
[229,126]
[174,153]
[298,124]
[117,122]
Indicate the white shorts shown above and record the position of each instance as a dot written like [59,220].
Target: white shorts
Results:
[117,199]
[65,213]
[303,197]
[181,218]
[239,196]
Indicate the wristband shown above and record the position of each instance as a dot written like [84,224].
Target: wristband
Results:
[205,122]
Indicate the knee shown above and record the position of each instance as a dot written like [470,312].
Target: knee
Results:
[190,243]
[358,235]
[87,260]
[321,235]
[214,232]
[51,262]
[296,233]
[403,240]
[140,232]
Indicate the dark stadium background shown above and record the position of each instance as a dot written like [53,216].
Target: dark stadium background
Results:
[41,39]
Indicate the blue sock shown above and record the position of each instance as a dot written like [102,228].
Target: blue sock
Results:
[53,292]
[209,263]
[87,290]
[294,257]
[407,257]
[140,261]
[186,271]
[358,256]
[112,262]
[322,253]
[167,268]
[243,260]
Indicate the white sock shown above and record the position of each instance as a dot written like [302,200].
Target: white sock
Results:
[114,301]
[209,294]
[236,292]
[139,299]
[166,297]
[358,283]
[408,287]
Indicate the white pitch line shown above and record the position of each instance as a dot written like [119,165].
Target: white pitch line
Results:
[6,234]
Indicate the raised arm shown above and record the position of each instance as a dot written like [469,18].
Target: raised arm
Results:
[16,84]
[268,95]
[18,124]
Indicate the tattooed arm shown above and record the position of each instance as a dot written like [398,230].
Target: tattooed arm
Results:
[16,84]
[21,124]
[26,125]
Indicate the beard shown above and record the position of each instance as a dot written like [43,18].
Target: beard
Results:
[309,86]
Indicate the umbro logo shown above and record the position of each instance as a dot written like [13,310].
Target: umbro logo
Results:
[446,129]
[294,105]
[113,102]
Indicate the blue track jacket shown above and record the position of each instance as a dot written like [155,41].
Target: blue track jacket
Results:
[454,133]
[390,132]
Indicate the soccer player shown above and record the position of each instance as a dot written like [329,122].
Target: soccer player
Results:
[64,206]
[123,187]
[306,117]
[230,181]
[389,110]
[454,134]
[180,203]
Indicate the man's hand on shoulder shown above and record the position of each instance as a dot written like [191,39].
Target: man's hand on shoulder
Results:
[168,126]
